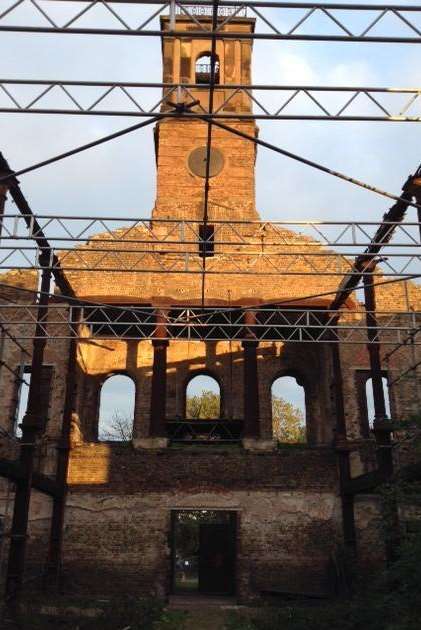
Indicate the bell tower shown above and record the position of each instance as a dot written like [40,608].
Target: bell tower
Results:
[180,144]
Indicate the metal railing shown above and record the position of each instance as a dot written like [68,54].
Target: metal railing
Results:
[209,431]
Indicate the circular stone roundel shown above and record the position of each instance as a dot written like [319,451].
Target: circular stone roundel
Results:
[197,162]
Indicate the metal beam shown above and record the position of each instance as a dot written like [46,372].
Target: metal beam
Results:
[33,225]
[382,237]
[33,424]
[339,26]
[12,471]
[344,468]
[382,426]
[79,229]
[133,97]
[289,324]
[59,502]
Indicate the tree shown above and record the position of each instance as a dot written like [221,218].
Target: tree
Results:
[288,422]
[203,406]
[120,428]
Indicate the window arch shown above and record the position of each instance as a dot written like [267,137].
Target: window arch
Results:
[288,410]
[116,409]
[203,68]
[364,390]
[369,397]
[203,398]
[23,382]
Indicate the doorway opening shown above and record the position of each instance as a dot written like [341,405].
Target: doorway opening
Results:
[203,551]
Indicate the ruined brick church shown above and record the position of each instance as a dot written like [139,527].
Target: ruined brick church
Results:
[252,516]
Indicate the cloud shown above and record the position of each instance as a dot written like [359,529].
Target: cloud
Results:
[295,69]
[119,178]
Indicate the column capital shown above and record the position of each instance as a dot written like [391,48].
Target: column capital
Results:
[159,385]
[159,342]
[250,343]
[251,391]
[250,319]
[160,332]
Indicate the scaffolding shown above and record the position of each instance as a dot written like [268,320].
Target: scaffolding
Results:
[348,252]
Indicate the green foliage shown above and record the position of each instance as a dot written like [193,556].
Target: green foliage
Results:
[138,614]
[288,422]
[392,601]
[236,621]
[203,406]
[171,620]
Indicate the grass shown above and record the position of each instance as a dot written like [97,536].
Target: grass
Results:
[138,614]
[153,619]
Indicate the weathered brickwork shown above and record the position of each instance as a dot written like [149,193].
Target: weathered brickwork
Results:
[222,360]
[287,500]
[129,538]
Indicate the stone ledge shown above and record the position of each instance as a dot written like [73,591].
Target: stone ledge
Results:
[254,444]
[150,443]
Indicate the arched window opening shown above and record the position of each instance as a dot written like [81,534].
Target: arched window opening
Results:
[116,409]
[369,397]
[203,398]
[22,399]
[203,69]
[23,383]
[288,411]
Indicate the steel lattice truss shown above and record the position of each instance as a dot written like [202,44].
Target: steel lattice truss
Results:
[48,242]
[260,248]
[172,246]
[292,325]
[275,20]
[270,102]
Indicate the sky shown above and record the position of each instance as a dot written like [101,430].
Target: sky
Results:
[118,178]
[117,396]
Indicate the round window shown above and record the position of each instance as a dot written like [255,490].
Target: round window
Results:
[198,158]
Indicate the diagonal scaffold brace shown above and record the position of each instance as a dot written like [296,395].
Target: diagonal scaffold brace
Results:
[33,423]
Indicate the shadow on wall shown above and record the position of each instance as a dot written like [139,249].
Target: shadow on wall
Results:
[107,403]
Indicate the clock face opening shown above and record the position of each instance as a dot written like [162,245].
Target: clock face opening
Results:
[197,162]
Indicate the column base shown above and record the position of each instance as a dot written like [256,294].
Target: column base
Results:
[257,444]
[150,442]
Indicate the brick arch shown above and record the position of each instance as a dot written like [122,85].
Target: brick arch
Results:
[205,53]
[299,376]
[201,55]
[204,372]
[303,382]
[104,378]
[123,372]
[362,378]
[308,365]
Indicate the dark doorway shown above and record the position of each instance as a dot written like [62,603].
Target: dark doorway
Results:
[204,551]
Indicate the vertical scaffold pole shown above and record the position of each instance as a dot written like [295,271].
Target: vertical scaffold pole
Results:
[59,501]
[341,446]
[3,198]
[32,424]
[251,379]
[159,377]
[382,425]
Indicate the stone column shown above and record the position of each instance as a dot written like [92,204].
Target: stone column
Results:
[251,434]
[157,431]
